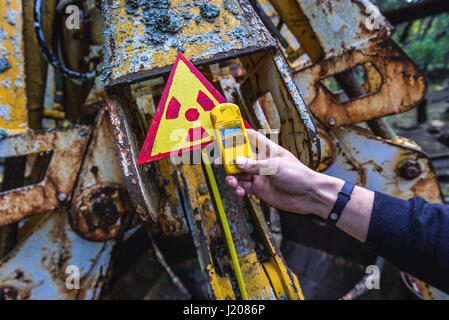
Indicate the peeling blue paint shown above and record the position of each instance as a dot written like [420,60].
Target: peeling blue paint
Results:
[4,64]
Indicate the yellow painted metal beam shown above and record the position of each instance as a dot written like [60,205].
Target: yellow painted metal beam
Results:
[295,19]
[263,280]
[225,225]
[202,30]
[13,102]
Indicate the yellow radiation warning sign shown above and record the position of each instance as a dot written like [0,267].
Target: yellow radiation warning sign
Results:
[182,120]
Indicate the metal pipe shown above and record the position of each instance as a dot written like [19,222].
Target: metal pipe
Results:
[416,11]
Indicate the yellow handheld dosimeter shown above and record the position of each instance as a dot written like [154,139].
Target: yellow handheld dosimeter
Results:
[231,133]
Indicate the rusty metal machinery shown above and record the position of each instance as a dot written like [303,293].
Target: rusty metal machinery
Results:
[77,200]
[353,74]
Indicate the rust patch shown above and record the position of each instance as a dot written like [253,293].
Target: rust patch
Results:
[403,86]
[101,212]
[56,188]
[141,187]
[171,213]
[328,150]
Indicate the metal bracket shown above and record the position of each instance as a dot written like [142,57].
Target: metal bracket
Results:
[56,188]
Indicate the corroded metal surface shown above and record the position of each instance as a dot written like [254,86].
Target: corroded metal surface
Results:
[288,281]
[269,73]
[341,25]
[344,40]
[171,212]
[250,252]
[374,163]
[101,212]
[264,271]
[38,267]
[101,209]
[13,102]
[402,85]
[171,216]
[297,23]
[328,149]
[68,147]
[141,187]
[143,40]
[206,232]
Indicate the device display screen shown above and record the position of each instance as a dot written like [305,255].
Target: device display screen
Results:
[229,131]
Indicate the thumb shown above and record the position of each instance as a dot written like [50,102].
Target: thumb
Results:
[254,166]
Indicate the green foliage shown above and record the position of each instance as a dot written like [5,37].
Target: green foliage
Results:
[427,42]
[428,53]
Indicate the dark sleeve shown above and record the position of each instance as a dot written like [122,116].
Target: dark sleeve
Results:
[413,235]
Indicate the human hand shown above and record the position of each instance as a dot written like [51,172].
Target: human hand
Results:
[277,177]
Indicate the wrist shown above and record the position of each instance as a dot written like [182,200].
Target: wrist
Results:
[324,193]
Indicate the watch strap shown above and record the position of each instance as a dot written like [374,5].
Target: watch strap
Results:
[343,197]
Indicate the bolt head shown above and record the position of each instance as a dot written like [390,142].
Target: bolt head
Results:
[409,169]
[332,122]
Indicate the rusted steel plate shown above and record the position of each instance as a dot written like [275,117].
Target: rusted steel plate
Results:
[328,149]
[142,42]
[402,85]
[342,25]
[289,280]
[171,212]
[211,245]
[298,133]
[376,164]
[350,35]
[68,147]
[101,209]
[263,268]
[171,216]
[13,102]
[206,232]
[142,188]
[243,231]
[42,265]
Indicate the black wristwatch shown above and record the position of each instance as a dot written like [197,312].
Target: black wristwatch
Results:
[343,197]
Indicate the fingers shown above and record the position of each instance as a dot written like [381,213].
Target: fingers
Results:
[232,181]
[218,163]
[266,148]
[244,177]
[259,167]
[239,187]
[239,192]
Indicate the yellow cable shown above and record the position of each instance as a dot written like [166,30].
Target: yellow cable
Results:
[224,223]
